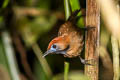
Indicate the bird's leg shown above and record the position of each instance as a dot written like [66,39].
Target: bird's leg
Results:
[86,62]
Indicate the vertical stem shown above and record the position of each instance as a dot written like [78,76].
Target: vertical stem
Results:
[67,14]
[10,55]
[115,50]
[66,70]
[67,9]
[92,39]
[116,53]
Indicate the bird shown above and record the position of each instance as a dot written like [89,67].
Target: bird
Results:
[70,39]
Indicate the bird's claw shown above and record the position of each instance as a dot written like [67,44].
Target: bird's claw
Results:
[87,62]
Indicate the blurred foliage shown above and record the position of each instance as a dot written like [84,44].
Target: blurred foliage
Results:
[5,3]
[75,5]
[74,75]
[3,61]
[37,22]
[32,29]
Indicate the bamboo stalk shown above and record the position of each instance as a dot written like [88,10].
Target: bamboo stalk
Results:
[92,39]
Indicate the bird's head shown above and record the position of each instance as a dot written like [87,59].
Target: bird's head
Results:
[58,45]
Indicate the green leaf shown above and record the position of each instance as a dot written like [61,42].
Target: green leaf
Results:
[75,6]
[5,3]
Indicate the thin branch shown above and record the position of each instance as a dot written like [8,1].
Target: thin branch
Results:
[23,56]
[92,39]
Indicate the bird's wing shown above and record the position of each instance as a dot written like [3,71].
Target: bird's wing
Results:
[66,28]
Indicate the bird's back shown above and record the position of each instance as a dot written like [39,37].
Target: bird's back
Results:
[76,38]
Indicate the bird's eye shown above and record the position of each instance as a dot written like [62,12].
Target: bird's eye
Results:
[54,46]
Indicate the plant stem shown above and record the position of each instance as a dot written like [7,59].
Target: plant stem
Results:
[115,57]
[67,14]
[67,9]
[66,70]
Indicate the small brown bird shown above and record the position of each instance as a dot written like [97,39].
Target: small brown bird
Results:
[69,41]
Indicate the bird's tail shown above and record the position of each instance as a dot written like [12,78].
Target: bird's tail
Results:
[73,15]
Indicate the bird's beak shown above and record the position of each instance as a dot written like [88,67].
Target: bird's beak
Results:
[47,52]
